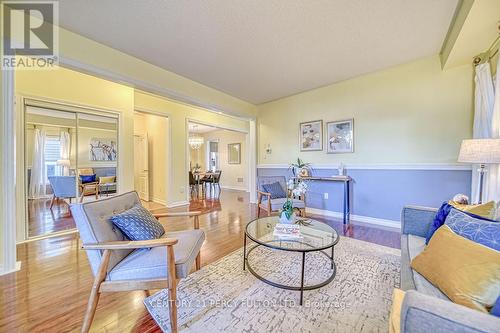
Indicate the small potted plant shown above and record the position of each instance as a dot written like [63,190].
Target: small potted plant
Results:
[300,169]
[295,189]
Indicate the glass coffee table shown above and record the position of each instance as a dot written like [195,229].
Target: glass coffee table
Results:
[316,237]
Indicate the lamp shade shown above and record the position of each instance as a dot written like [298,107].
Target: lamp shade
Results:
[480,151]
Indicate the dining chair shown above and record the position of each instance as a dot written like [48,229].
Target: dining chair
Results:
[119,264]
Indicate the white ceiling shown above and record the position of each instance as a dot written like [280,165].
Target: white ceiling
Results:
[262,50]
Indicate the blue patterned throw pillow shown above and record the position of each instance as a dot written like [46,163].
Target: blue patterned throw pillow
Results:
[478,230]
[137,223]
[275,189]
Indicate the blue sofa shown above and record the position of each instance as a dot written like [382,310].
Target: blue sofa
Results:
[425,308]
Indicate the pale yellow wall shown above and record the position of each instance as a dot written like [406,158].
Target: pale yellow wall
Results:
[76,48]
[178,115]
[413,113]
[64,85]
[156,128]
[230,172]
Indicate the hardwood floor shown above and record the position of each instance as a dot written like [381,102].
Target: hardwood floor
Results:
[44,220]
[50,292]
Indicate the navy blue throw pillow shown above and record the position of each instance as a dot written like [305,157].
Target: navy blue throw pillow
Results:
[87,178]
[439,219]
[496,308]
[275,189]
[137,223]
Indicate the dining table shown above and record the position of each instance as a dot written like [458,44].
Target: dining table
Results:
[198,176]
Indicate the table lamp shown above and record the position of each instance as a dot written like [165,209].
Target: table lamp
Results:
[65,164]
[482,152]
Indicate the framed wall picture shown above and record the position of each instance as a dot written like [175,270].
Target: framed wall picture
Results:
[340,136]
[102,149]
[234,153]
[311,135]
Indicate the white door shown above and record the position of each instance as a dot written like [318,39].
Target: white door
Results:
[141,166]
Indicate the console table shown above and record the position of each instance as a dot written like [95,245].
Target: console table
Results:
[347,191]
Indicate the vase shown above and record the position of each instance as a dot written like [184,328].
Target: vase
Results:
[304,172]
[285,220]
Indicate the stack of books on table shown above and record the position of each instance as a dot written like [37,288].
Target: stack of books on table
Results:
[287,231]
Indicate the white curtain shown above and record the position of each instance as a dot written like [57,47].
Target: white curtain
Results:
[38,187]
[65,143]
[486,125]
[492,190]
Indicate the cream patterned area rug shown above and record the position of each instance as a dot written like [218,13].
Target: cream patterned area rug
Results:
[222,297]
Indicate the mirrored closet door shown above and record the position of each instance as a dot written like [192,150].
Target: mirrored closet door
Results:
[70,157]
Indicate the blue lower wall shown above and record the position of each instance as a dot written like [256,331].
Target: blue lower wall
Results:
[383,193]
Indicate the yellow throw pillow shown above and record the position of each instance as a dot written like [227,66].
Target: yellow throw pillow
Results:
[486,210]
[395,318]
[467,272]
[107,180]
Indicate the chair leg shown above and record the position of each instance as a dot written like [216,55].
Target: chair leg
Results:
[172,307]
[52,201]
[198,261]
[172,289]
[94,294]
[258,211]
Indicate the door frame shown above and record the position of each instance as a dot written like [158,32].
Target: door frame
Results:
[168,148]
[251,152]
[22,101]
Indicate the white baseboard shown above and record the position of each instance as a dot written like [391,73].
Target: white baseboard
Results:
[177,204]
[160,201]
[17,268]
[357,218]
[236,188]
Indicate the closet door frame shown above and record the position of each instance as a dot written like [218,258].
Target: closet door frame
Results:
[22,194]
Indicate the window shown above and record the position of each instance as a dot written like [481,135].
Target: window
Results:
[52,152]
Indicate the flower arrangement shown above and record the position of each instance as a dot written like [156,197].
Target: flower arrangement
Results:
[300,169]
[295,189]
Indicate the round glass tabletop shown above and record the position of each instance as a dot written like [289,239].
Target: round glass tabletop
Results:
[314,235]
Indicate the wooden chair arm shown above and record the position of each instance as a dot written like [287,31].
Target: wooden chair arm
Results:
[129,245]
[264,193]
[260,194]
[196,215]
[193,213]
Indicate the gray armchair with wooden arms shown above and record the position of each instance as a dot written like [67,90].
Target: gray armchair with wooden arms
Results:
[119,264]
[270,205]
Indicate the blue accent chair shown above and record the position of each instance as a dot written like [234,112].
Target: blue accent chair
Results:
[119,264]
[64,187]
[265,202]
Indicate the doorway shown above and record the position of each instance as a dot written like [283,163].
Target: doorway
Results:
[151,157]
[218,161]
